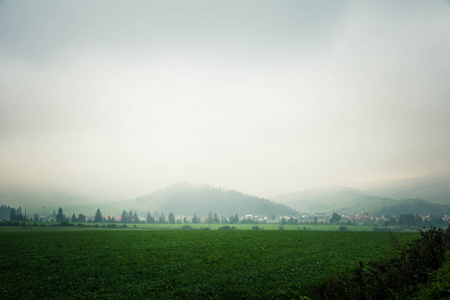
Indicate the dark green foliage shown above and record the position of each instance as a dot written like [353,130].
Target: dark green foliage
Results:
[387,278]
[196,264]
[5,212]
[12,215]
[343,228]
[162,219]
[65,224]
[234,219]
[150,219]
[335,218]
[227,228]
[81,218]
[195,219]
[415,207]
[124,217]
[186,227]
[255,228]
[60,216]
[216,218]
[171,218]
[98,216]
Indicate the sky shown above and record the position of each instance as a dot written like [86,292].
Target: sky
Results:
[122,98]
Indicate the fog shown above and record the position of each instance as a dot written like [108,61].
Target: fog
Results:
[122,98]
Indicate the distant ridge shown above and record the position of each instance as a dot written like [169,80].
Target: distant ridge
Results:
[186,198]
[342,199]
[433,188]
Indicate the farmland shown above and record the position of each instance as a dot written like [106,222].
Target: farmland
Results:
[95,263]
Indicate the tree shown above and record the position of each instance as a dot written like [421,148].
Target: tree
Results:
[150,219]
[210,217]
[60,216]
[130,216]
[171,218]
[234,219]
[195,219]
[216,219]
[124,217]
[335,218]
[74,218]
[315,219]
[81,218]
[162,219]
[36,218]
[136,218]
[12,214]
[98,216]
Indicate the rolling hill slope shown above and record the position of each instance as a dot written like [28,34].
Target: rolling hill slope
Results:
[186,198]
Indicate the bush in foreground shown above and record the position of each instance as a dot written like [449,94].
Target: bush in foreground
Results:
[388,278]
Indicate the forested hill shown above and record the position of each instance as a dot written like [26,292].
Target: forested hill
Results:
[185,199]
[414,206]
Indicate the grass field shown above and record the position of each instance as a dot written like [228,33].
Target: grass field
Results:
[56,263]
[325,227]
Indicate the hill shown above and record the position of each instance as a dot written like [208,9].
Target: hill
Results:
[341,199]
[44,201]
[415,206]
[185,199]
[433,188]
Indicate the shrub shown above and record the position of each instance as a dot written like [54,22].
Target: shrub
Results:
[281,228]
[343,228]
[255,228]
[387,278]
[65,224]
[224,228]
[186,227]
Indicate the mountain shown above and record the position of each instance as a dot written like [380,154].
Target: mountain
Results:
[44,201]
[414,206]
[341,199]
[186,199]
[433,188]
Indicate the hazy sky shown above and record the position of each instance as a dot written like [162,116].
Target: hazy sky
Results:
[121,98]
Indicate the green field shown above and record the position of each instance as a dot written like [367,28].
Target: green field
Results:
[53,263]
[324,227]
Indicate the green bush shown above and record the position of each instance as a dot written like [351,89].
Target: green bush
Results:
[387,278]
[186,227]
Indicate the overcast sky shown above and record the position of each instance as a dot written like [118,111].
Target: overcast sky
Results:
[122,98]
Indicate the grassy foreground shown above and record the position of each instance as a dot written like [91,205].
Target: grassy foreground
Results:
[126,264]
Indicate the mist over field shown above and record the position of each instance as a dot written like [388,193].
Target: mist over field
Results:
[119,99]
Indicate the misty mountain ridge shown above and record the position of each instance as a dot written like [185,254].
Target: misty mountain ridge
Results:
[433,188]
[186,199]
[45,201]
[373,196]
[334,199]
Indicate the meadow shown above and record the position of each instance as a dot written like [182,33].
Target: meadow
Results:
[184,264]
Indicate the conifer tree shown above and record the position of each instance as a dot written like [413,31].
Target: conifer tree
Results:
[60,216]
[98,216]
